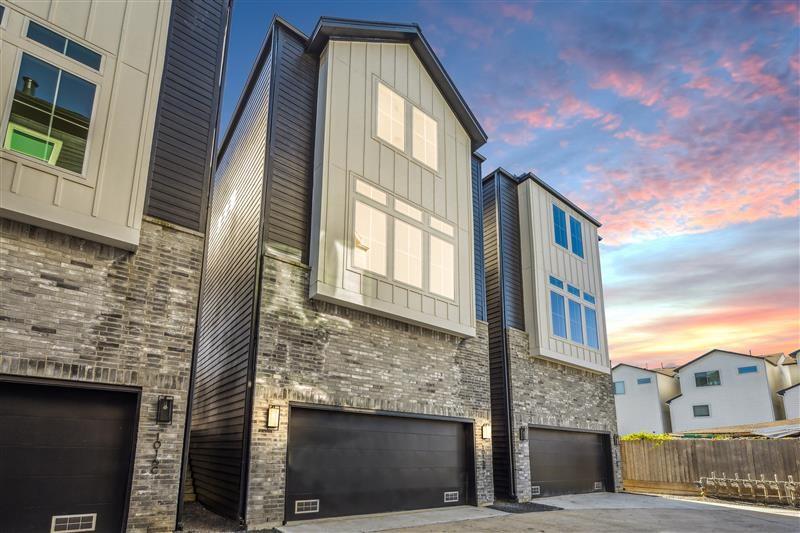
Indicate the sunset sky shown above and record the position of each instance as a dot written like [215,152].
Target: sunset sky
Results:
[675,124]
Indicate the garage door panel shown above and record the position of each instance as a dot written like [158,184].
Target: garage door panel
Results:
[42,462]
[357,463]
[79,432]
[568,462]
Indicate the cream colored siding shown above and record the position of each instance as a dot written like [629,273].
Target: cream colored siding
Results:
[541,258]
[348,148]
[104,202]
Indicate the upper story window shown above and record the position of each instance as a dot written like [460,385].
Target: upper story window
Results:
[425,145]
[2,16]
[701,410]
[572,239]
[391,117]
[558,314]
[748,369]
[706,379]
[559,226]
[59,43]
[582,319]
[442,277]
[643,381]
[370,239]
[50,114]
[407,253]
[576,236]
[619,387]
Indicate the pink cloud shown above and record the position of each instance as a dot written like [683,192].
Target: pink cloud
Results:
[516,11]
[629,85]
[535,118]
[653,141]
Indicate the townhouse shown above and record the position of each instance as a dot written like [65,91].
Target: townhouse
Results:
[722,388]
[553,419]
[342,351]
[790,397]
[105,170]
[640,397]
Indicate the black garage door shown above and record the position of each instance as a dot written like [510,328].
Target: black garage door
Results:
[568,462]
[342,463]
[64,451]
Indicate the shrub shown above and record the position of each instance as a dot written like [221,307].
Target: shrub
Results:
[656,438]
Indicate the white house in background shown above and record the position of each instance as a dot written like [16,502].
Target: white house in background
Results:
[640,396]
[722,388]
[792,365]
[791,400]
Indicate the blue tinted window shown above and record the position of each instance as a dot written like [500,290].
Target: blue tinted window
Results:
[619,387]
[576,235]
[573,290]
[588,297]
[748,369]
[591,328]
[643,381]
[559,316]
[575,322]
[557,282]
[62,45]
[560,226]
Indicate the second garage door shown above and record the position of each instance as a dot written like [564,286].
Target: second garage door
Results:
[568,462]
[344,463]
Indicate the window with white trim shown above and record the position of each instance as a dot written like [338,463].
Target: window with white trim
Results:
[407,253]
[391,117]
[567,309]
[442,272]
[424,146]
[369,250]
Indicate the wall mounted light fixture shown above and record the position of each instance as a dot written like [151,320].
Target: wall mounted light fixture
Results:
[486,431]
[164,409]
[523,433]
[273,417]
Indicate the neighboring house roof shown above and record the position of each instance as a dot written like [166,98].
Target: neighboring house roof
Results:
[795,353]
[790,360]
[687,363]
[774,429]
[549,188]
[329,28]
[669,372]
[788,388]
[773,358]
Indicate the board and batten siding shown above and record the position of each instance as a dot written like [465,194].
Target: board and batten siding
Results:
[220,415]
[186,122]
[346,148]
[542,257]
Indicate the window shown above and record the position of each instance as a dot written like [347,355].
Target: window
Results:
[407,253]
[424,145]
[2,16]
[576,236]
[588,297]
[619,387]
[643,381]
[575,322]
[61,44]
[50,115]
[560,226]
[442,226]
[706,379]
[442,275]
[369,251]
[591,328]
[558,314]
[391,117]
[748,369]
[407,210]
[573,290]
[701,410]
[556,282]
[373,193]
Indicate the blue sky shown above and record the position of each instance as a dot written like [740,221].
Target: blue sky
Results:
[675,124]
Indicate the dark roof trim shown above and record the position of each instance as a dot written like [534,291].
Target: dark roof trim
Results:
[788,388]
[674,398]
[361,30]
[653,370]
[687,363]
[480,157]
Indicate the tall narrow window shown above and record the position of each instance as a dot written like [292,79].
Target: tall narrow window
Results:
[591,328]
[559,226]
[50,115]
[369,250]
[407,253]
[442,272]
[575,322]
[391,117]
[424,146]
[559,316]
[576,236]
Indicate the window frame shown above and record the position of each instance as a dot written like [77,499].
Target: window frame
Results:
[708,410]
[67,39]
[572,223]
[568,218]
[3,16]
[562,288]
[705,376]
[617,389]
[749,369]
[434,169]
[377,114]
[644,381]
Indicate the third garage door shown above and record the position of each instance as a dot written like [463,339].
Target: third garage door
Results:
[344,463]
[568,462]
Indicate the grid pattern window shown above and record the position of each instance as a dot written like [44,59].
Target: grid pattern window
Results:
[442,277]
[591,328]
[407,254]
[391,117]
[559,226]
[619,387]
[59,43]
[575,322]
[582,318]
[576,236]
[559,317]
[425,144]
[707,379]
[50,115]
[441,226]
[74,523]
[643,381]
[369,251]
[701,410]
[748,369]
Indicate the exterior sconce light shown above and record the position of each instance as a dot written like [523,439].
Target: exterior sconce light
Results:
[273,417]
[616,439]
[486,431]
[164,409]
[523,433]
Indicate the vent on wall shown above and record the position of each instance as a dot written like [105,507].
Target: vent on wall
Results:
[306,506]
[598,485]
[536,490]
[74,523]
[451,496]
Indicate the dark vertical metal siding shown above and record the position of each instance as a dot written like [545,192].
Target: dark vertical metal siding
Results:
[477,221]
[220,414]
[291,152]
[503,310]
[186,120]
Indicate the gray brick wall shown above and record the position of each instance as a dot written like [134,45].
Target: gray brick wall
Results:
[319,353]
[77,310]
[546,393]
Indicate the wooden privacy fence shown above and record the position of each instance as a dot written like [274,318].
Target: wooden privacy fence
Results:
[677,466]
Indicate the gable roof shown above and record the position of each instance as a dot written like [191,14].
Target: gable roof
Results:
[331,28]
[669,372]
[790,387]
[769,359]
